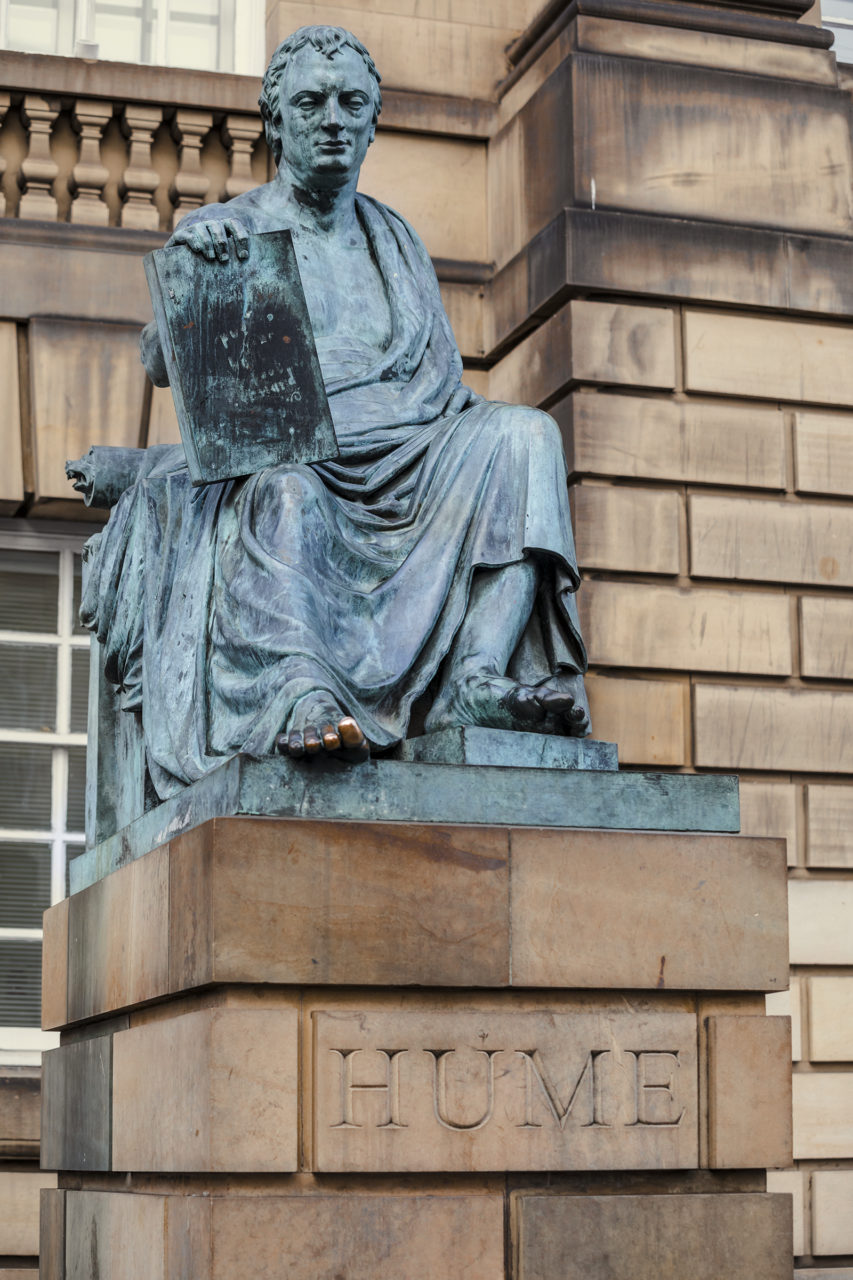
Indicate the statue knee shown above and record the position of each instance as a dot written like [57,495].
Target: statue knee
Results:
[284,497]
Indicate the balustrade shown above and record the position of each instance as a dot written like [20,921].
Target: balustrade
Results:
[136,164]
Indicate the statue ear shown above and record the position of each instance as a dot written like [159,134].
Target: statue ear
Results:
[372,133]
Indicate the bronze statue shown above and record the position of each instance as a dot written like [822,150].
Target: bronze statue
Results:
[307,607]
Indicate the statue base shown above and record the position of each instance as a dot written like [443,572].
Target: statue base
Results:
[349,1038]
[429,786]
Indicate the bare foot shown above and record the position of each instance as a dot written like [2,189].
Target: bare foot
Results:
[318,727]
[496,702]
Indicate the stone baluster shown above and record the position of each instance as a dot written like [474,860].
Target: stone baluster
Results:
[89,177]
[140,179]
[4,107]
[190,184]
[239,134]
[38,169]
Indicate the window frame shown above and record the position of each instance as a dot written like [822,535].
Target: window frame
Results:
[24,1045]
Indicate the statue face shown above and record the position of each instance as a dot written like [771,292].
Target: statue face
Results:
[326,115]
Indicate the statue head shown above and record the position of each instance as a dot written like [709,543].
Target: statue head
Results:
[320,100]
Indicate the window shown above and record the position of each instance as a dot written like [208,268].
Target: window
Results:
[44,676]
[204,35]
[837,16]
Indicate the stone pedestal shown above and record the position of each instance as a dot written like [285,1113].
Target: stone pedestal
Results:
[312,1047]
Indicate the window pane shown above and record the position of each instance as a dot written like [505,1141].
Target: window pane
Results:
[29,582]
[119,35]
[843,46]
[24,884]
[79,689]
[32,27]
[28,687]
[20,983]
[25,785]
[193,45]
[78,590]
[76,820]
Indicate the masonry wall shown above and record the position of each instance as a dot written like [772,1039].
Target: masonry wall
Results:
[645,229]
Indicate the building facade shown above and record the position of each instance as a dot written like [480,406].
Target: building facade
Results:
[641,216]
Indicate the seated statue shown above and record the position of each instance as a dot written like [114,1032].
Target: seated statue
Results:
[306,608]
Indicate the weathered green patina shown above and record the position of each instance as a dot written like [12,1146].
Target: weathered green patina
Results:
[306,607]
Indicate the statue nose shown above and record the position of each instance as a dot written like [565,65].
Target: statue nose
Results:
[332,119]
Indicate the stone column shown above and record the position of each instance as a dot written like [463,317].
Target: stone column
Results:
[240,133]
[190,185]
[140,179]
[89,176]
[38,169]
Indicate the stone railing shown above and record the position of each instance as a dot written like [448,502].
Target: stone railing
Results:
[108,144]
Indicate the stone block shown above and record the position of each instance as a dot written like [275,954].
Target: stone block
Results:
[474,745]
[19,1111]
[829,826]
[439,184]
[832,1212]
[823,453]
[821,921]
[612,342]
[645,153]
[630,530]
[76,1115]
[419,1236]
[788,1004]
[465,307]
[826,627]
[771,809]
[819,1273]
[52,1235]
[19,1221]
[823,1115]
[12,475]
[647,717]
[631,625]
[831,1022]
[749,1092]
[357,903]
[789,1182]
[118,939]
[743,727]
[652,1237]
[212,1091]
[645,438]
[703,48]
[54,967]
[87,386]
[770,358]
[745,539]
[589,342]
[706,913]
[117,1234]
[490,1090]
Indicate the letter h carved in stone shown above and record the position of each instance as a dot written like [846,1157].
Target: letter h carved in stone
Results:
[390,1087]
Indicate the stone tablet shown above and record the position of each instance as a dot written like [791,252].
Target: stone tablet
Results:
[242,364]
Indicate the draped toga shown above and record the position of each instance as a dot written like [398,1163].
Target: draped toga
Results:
[220,606]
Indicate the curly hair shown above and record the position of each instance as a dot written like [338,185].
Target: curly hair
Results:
[327,40]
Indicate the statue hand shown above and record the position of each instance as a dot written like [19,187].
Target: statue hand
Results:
[211,238]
